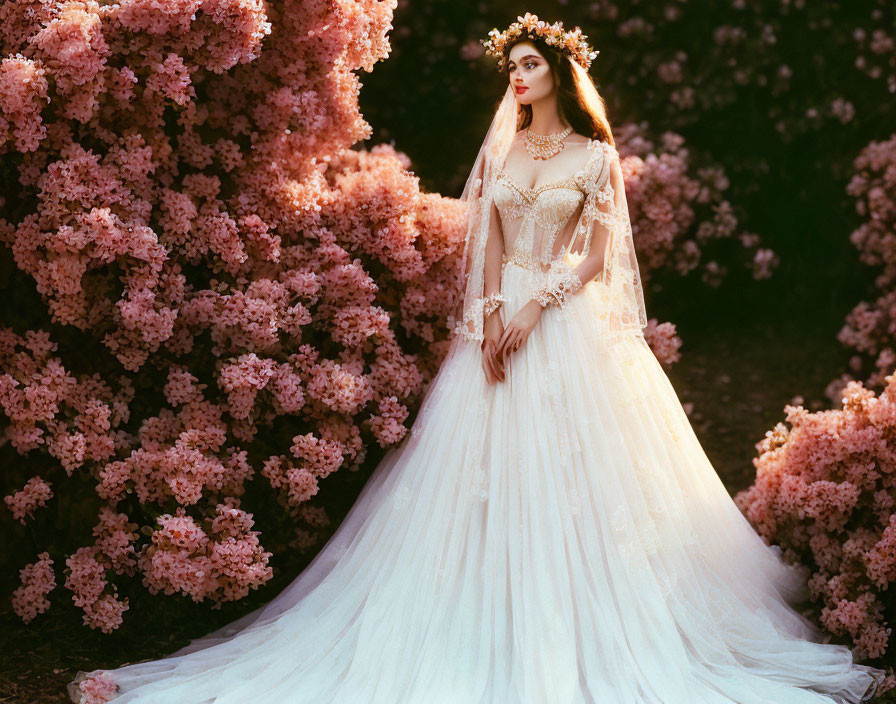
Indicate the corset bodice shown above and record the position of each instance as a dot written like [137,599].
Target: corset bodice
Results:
[532,219]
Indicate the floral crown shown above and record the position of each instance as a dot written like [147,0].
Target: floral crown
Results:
[571,43]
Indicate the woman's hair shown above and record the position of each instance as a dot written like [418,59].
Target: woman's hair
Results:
[587,114]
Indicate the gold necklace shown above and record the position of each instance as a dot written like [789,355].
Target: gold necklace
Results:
[544,146]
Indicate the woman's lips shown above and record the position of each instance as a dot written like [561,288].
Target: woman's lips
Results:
[521,89]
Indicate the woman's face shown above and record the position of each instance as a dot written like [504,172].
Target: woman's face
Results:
[527,68]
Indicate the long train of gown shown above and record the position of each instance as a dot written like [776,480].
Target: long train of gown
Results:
[556,538]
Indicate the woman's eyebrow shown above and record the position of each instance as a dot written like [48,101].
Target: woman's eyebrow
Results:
[527,56]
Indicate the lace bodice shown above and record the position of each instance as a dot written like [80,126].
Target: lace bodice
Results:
[536,222]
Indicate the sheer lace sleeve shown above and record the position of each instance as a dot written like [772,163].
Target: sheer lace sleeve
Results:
[483,223]
[479,307]
[494,253]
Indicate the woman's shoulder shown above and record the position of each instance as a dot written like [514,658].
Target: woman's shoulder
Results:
[603,147]
[578,138]
[594,144]
[599,161]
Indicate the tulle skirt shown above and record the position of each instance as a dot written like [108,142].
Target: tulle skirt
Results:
[556,538]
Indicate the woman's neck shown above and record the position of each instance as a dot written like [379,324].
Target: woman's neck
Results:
[546,117]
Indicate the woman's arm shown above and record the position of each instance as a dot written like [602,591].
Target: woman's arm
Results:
[492,267]
[492,327]
[593,263]
[494,252]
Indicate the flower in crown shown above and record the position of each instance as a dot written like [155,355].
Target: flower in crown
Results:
[571,43]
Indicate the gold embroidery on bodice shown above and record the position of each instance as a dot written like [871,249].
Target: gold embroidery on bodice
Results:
[544,211]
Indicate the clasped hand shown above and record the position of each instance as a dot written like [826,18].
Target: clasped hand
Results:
[498,342]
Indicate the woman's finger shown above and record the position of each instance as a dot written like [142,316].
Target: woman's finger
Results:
[497,371]
[497,363]
[503,346]
[504,336]
[486,360]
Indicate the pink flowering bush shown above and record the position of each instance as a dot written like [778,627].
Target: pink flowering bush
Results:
[825,491]
[870,328]
[227,287]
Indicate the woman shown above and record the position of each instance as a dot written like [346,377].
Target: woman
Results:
[551,530]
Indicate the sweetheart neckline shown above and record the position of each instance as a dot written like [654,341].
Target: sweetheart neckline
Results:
[568,182]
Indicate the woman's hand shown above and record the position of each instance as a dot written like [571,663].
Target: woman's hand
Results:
[519,328]
[492,362]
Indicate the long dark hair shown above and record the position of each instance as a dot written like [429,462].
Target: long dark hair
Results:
[586,115]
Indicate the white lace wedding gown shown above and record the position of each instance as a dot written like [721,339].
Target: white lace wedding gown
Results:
[556,538]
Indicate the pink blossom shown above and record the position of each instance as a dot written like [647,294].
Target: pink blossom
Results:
[32,496]
[38,580]
[388,427]
[99,689]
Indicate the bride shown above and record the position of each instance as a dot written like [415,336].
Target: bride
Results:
[551,530]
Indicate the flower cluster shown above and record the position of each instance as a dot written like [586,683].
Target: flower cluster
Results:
[220,562]
[33,495]
[99,689]
[824,491]
[571,43]
[86,579]
[23,94]
[664,341]
[38,580]
[76,419]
